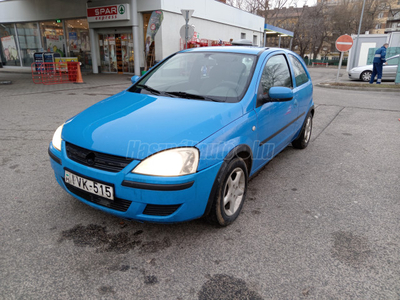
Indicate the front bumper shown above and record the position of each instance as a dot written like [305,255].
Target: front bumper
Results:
[354,75]
[140,197]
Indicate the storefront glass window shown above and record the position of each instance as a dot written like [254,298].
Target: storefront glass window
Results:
[29,41]
[53,37]
[116,53]
[104,53]
[8,49]
[78,43]
[113,53]
[125,52]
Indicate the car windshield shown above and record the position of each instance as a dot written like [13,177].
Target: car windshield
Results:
[210,76]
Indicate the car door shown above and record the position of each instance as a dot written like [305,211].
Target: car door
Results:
[274,119]
[389,72]
[302,90]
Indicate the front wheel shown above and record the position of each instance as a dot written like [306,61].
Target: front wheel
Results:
[366,76]
[231,193]
[305,135]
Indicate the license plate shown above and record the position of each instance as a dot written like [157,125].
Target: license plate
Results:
[90,186]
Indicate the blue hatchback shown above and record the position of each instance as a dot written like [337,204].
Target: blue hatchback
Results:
[183,140]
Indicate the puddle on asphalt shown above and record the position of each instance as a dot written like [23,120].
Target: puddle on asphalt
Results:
[221,286]
[350,249]
[96,236]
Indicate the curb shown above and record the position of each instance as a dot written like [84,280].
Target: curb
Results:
[373,89]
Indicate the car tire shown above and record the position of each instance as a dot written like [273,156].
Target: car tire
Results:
[304,137]
[231,193]
[366,76]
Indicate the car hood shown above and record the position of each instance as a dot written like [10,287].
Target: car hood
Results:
[362,68]
[137,125]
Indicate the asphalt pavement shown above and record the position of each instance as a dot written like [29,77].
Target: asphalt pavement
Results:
[319,223]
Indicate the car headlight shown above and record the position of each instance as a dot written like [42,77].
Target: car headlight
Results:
[57,138]
[173,162]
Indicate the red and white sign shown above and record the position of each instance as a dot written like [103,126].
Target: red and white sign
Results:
[115,12]
[344,43]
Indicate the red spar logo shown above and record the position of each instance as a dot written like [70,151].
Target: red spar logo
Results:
[102,11]
[105,11]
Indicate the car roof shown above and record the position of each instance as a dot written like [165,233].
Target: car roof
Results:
[235,49]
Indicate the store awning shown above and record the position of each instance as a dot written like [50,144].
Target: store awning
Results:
[271,30]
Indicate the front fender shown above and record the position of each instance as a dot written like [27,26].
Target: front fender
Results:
[216,147]
[235,152]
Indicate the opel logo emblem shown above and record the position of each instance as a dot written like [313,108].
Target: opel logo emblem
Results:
[90,159]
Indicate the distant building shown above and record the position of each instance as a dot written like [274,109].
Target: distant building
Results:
[387,16]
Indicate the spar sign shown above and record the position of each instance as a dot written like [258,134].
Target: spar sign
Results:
[115,12]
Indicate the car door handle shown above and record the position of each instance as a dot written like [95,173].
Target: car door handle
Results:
[295,103]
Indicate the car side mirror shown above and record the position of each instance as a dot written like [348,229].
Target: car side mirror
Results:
[280,94]
[134,78]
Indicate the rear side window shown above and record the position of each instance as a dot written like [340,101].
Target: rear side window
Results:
[299,72]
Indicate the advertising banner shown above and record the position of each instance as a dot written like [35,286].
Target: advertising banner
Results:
[9,47]
[63,61]
[55,43]
[155,21]
[154,24]
[73,40]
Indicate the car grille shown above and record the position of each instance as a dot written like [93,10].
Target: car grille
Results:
[116,204]
[160,210]
[96,160]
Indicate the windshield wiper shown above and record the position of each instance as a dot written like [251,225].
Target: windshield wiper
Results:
[147,88]
[191,96]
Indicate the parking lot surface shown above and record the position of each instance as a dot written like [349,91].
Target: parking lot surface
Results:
[319,223]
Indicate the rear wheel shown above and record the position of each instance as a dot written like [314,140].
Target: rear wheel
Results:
[366,76]
[305,135]
[231,193]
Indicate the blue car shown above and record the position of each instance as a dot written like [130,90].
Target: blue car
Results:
[182,142]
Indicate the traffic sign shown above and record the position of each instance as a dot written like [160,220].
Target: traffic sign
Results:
[190,32]
[187,13]
[344,43]
[186,31]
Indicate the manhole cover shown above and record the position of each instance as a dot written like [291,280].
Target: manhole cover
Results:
[6,82]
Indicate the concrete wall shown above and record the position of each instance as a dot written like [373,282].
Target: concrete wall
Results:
[40,10]
[217,12]
[394,39]
[207,29]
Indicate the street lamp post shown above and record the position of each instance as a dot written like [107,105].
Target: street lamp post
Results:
[358,36]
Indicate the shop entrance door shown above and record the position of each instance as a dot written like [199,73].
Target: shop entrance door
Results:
[116,53]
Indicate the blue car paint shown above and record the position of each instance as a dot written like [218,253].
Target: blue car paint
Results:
[214,128]
[174,122]
[280,93]
[192,199]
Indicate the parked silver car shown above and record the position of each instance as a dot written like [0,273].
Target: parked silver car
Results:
[364,72]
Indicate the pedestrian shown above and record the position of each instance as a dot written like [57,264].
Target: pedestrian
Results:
[379,60]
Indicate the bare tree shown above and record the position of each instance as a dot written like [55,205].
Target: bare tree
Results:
[261,7]
[345,17]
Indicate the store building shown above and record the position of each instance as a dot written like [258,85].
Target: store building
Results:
[115,36]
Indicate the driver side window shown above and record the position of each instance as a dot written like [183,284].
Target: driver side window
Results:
[276,73]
